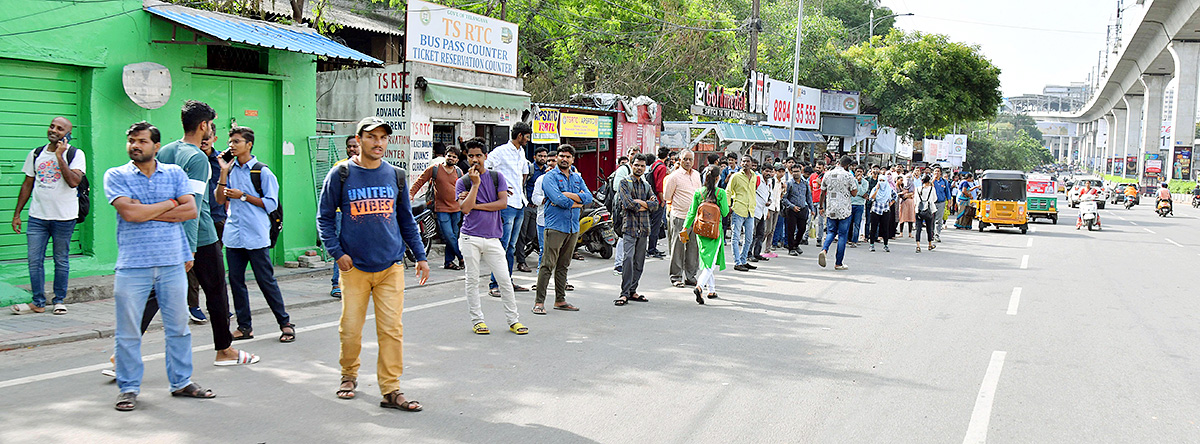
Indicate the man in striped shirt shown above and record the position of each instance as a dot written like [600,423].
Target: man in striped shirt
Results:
[639,202]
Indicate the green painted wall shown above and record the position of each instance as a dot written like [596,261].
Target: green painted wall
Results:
[101,49]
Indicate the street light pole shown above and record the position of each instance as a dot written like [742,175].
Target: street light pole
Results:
[871,22]
[795,86]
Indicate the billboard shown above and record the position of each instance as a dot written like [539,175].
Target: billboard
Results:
[839,102]
[806,112]
[866,126]
[444,36]
[545,126]
[1181,163]
[579,125]
[842,126]
[1057,129]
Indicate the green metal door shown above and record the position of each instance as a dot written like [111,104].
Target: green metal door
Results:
[244,102]
[31,95]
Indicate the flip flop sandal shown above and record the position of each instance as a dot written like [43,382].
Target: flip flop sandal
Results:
[678,284]
[495,292]
[126,401]
[620,302]
[194,390]
[389,402]
[21,309]
[638,298]
[699,298]
[518,328]
[287,337]
[60,309]
[566,307]
[347,393]
[241,335]
[539,310]
[481,329]
[336,292]
[243,358]
[570,287]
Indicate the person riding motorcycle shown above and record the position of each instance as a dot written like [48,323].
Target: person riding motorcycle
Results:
[1131,191]
[1164,195]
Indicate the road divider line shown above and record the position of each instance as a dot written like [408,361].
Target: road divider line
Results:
[1029,242]
[1132,222]
[982,414]
[1177,244]
[1014,300]
[1149,230]
[1024,261]
[200,348]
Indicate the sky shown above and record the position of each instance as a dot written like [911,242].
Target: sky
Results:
[1033,42]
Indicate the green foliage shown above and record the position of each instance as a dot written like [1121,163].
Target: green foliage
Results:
[992,145]
[923,83]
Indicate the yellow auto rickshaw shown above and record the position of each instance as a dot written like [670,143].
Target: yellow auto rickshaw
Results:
[1001,200]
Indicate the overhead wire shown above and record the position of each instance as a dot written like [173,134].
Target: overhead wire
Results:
[52,28]
[1026,28]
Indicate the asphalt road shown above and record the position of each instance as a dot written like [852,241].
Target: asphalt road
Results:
[1099,345]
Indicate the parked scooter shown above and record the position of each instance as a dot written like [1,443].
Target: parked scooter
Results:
[1164,208]
[1088,214]
[596,232]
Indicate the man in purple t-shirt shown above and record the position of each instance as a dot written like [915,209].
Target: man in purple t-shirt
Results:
[479,239]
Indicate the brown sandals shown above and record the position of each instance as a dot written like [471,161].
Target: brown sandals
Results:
[346,390]
[394,399]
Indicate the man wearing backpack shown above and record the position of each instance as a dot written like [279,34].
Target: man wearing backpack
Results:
[444,175]
[248,231]
[53,175]
[366,191]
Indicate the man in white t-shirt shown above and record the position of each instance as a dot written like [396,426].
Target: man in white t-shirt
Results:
[51,174]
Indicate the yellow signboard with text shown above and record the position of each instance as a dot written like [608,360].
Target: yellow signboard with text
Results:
[579,125]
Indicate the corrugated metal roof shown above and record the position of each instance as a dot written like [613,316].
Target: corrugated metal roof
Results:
[562,106]
[354,14]
[258,33]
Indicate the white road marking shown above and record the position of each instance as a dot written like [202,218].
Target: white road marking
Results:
[978,428]
[1119,217]
[1033,229]
[1177,244]
[1014,300]
[1148,230]
[206,347]
[1029,243]
[1024,261]
[1132,222]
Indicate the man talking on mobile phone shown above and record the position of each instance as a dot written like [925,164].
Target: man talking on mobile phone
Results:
[52,172]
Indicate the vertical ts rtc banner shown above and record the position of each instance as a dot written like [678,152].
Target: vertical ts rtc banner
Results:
[439,35]
[391,95]
[806,110]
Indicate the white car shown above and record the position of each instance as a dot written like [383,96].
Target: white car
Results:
[1102,195]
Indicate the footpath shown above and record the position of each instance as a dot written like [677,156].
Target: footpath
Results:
[90,307]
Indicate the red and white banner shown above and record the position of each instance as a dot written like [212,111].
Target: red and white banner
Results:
[807,110]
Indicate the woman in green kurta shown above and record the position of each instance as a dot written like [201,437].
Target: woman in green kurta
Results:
[712,251]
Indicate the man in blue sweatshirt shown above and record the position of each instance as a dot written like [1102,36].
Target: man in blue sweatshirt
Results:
[376,225]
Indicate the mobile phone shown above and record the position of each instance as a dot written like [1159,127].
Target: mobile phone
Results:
[228,156]
[67,138]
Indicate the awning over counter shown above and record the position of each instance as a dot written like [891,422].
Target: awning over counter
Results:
[781,135]
[454,93]
[231,28]
[733,132]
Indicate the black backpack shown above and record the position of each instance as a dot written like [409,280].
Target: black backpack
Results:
[276,217]
[81,190]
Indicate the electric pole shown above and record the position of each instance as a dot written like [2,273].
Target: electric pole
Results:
[754,28]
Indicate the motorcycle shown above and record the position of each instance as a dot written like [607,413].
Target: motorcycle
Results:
[596,232]
[427,225]
[1195,201]
[1088,214]
[1128,202]
[1164,208]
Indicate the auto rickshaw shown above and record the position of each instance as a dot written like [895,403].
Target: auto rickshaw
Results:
[1042,201]
[1001,200]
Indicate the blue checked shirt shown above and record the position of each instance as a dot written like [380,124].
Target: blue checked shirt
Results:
[248,226]
[151,243]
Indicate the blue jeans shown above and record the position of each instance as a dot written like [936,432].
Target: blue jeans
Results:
[448,224]
[743,233]
[264,274]
[778,238]
[541,229]
[841,229]
[510,221]
[38,233]
[131,288]
[856,217]
[337,228]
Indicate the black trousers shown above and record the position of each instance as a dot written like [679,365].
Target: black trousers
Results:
[797,227]
[208,270]
[760,224]
[528,235]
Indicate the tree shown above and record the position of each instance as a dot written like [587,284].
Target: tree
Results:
[922,83]
[855,15]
